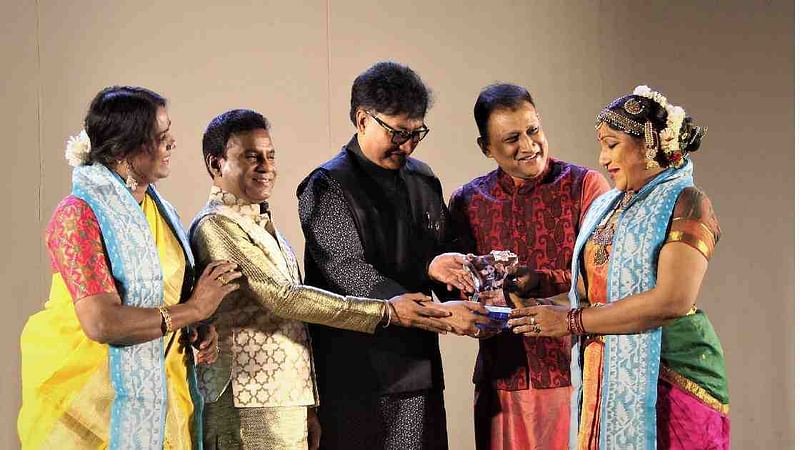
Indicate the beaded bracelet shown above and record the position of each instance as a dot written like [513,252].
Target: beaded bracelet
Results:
[166,320]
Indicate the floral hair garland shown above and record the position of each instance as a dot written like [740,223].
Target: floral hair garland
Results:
[78,147]
[669,137]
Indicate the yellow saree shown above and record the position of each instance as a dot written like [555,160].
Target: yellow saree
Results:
[66,390]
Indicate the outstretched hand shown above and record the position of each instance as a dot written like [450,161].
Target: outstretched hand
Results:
[466,316]
[449,268]
[543,320]
[418,311]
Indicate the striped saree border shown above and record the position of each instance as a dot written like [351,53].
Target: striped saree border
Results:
[692,241]
[690,387]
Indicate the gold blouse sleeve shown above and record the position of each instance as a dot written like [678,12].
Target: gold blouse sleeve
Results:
[694,222]
[217,237]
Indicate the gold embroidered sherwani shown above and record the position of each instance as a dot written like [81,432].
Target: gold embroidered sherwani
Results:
[258,391]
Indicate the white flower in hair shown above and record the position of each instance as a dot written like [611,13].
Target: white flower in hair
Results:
[669,135]
[644,91]
[78,147]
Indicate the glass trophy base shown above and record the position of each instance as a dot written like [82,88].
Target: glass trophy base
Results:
[500,314]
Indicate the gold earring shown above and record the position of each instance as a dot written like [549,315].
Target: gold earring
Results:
[650,155]
[130,181]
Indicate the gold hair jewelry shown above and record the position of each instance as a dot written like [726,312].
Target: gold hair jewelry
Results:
[669,137]
[619,121]
[650,146]
[633,106]
[649,140]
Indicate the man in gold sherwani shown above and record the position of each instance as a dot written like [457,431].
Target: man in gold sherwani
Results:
[261,392]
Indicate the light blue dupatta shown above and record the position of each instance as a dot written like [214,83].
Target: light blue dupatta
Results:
[137,372]
[631,362]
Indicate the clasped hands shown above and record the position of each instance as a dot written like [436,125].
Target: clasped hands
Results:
[530,317]
[460,317]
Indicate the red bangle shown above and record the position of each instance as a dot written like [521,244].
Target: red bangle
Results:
[579,321]
[575,321]
[571,321]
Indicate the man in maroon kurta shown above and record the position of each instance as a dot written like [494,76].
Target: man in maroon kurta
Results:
[531,204]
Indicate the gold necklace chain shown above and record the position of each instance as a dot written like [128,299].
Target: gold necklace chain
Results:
[603,234]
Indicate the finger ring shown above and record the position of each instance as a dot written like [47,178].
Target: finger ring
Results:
[222,280]
[536,329]
[216,349]
[532,320]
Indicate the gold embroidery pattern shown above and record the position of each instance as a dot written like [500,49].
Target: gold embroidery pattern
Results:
[272,362]
[265,360]
[692,388]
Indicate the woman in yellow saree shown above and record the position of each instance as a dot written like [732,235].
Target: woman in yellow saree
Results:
[106,363]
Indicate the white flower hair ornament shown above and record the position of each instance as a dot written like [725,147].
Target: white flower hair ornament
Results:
[669,137]
[78,147]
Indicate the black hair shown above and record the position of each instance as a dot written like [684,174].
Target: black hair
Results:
[120,120]
[220,129]
[641,110]
[390,88]
[498,96]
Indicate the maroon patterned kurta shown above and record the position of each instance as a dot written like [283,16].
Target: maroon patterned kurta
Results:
[538,220]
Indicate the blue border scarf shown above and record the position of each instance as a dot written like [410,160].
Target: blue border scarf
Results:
[137,372]
[630,362]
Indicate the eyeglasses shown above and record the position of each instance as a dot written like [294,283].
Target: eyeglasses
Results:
[399,137]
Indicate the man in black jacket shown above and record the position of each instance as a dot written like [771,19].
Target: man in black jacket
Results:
[374,221]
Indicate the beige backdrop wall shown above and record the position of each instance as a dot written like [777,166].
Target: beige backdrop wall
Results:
[729,63]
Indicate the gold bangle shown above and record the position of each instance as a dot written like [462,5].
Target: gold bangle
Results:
[166,320]
[388,307]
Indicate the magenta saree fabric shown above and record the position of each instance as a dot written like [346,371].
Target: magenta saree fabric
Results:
[686,423]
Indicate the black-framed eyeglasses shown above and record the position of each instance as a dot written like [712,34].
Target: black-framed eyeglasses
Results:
[399,137]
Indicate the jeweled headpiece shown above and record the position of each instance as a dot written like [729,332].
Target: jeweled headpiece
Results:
[629,114]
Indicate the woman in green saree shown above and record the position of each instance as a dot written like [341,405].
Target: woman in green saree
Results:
[647,366]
